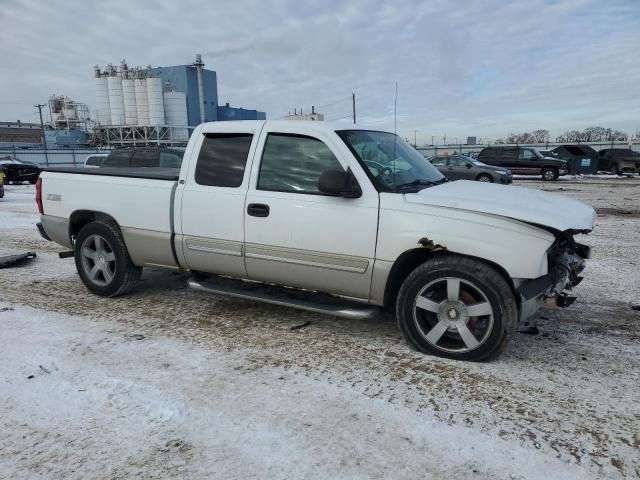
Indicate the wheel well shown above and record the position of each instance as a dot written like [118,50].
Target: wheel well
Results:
[411,259]
[80,218]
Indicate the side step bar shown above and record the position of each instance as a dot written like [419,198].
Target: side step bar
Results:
[287,297]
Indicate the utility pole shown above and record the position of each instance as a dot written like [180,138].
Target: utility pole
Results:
[353,102]
[44,138]
[432,139]
[415,138]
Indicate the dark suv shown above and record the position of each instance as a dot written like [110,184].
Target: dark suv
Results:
[524,161]
[619,160]
[143,157]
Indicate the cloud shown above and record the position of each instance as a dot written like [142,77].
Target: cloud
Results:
[464,68]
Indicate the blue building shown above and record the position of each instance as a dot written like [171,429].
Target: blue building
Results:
[236,113]
[184,78]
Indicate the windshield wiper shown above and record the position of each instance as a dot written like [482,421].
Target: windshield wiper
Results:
[417,183]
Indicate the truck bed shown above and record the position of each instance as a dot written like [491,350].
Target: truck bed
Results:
[152,173]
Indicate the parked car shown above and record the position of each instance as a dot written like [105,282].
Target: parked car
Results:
[296,204]
[143,157]
[461,167]
[95,160]
[580,158]
[524,161]
[18,171]
[619,160]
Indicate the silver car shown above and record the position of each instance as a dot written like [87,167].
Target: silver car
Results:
[461,167]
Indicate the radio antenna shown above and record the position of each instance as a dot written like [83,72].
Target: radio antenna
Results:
[395,131]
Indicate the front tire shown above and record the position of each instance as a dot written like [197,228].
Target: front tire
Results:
[549,174]
[102,260]
[456,307]
[483,177]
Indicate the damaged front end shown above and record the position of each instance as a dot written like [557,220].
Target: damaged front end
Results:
[566,261]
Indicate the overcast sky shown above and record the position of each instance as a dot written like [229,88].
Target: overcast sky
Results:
[483,68]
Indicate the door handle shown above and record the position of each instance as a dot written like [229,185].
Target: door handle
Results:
[258,210]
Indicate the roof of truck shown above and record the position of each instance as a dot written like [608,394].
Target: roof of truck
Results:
[306,125]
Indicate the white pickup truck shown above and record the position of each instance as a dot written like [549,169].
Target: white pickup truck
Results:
[327,218]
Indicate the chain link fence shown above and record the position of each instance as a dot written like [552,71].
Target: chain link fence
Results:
[59,157]
[431,150]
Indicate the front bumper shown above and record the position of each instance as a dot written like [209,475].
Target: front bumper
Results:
[566,260]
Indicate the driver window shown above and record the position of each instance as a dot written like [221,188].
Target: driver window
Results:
[526,154]
[294,163]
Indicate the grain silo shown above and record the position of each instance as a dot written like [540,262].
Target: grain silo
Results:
[129,97]
[102,109]
[142,107]
[175,112]
[116,100]
[155,101]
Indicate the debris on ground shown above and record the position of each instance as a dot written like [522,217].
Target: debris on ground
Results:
[16,260]
[298,327]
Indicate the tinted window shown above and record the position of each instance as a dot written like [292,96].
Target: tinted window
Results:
[94,160]
[574,150]
[118,158]
[170,159]
[457,162]
[144,158]
[438,161]
[293,163]
[222,159]
[526,154]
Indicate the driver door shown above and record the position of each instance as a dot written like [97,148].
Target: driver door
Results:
[294,234]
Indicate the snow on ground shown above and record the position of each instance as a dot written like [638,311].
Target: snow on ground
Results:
[167,382]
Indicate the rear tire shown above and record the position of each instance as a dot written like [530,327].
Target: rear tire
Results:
[549,174]
[456,307]
[102,260]
[483,177]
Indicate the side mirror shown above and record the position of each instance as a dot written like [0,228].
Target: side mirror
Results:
[468,165]
[339,184]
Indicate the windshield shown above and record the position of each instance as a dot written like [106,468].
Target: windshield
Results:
[393,164]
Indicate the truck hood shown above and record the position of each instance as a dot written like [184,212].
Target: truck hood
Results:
[545,209]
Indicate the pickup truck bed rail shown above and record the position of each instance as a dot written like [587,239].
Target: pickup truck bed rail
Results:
[153,173]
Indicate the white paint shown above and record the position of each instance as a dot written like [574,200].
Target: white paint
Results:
[525,204]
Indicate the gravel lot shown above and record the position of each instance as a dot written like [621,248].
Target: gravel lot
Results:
[169,382]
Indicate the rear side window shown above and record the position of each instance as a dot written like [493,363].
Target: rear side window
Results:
[438,161]
[144,158]
[118,158]
[170,160]
[222,159]
[94,161]
[294,163]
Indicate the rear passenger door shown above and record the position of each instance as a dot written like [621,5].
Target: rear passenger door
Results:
[212,202]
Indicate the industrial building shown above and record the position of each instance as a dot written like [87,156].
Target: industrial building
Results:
[158,105]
